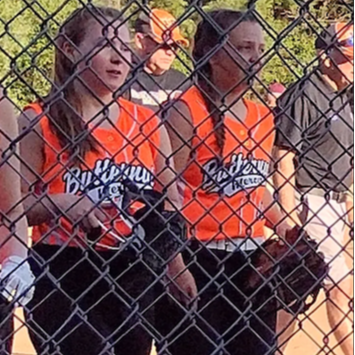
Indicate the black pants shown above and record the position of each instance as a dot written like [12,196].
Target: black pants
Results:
[6,327]
[225,323]
[89,303]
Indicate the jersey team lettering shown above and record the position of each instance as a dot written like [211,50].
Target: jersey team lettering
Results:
[239,174]
[105,180]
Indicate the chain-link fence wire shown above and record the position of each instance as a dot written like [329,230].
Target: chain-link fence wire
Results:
[101,289]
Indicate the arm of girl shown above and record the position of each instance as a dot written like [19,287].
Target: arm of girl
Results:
[165,171]
[10,182]
[48,207]
[16,277]
[180,130]
[275,219]
[184,287]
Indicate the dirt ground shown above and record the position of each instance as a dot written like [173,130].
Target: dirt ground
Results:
[310,338]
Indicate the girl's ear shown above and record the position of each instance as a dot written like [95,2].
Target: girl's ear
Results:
[70,51]
[214,60]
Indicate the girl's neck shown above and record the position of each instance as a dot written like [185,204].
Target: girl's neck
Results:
[103,112]
[231,96]
[231,99]
[236,107]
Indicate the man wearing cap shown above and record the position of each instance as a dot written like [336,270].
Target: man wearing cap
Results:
[314,153]
[157,39]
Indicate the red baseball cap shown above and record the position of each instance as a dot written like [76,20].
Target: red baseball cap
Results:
[161,26]
[339,34]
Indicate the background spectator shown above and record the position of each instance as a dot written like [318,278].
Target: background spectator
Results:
[315,136]
[157,40]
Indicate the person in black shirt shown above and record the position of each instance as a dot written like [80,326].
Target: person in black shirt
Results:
[314,157]
[157,39]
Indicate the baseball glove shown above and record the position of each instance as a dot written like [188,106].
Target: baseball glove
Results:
[293,268]
[164,232]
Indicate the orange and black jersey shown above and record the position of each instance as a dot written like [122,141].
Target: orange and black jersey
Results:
[127,150]
[223,195]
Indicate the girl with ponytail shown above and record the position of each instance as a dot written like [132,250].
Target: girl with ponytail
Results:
[222,145]
[94,292]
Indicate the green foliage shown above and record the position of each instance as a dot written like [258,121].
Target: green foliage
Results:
[225,4]
[27,30]
[292,31]
[25,37]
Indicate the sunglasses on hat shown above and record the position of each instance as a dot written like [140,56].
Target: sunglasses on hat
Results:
[165,46]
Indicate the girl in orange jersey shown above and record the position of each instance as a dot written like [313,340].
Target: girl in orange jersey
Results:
[78,145]
[222,146]
[16,278]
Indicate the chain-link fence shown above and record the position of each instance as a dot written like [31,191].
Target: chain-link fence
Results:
[179,179]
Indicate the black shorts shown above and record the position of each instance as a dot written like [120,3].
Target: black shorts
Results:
[226,321]
[6,327]
[89,303]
